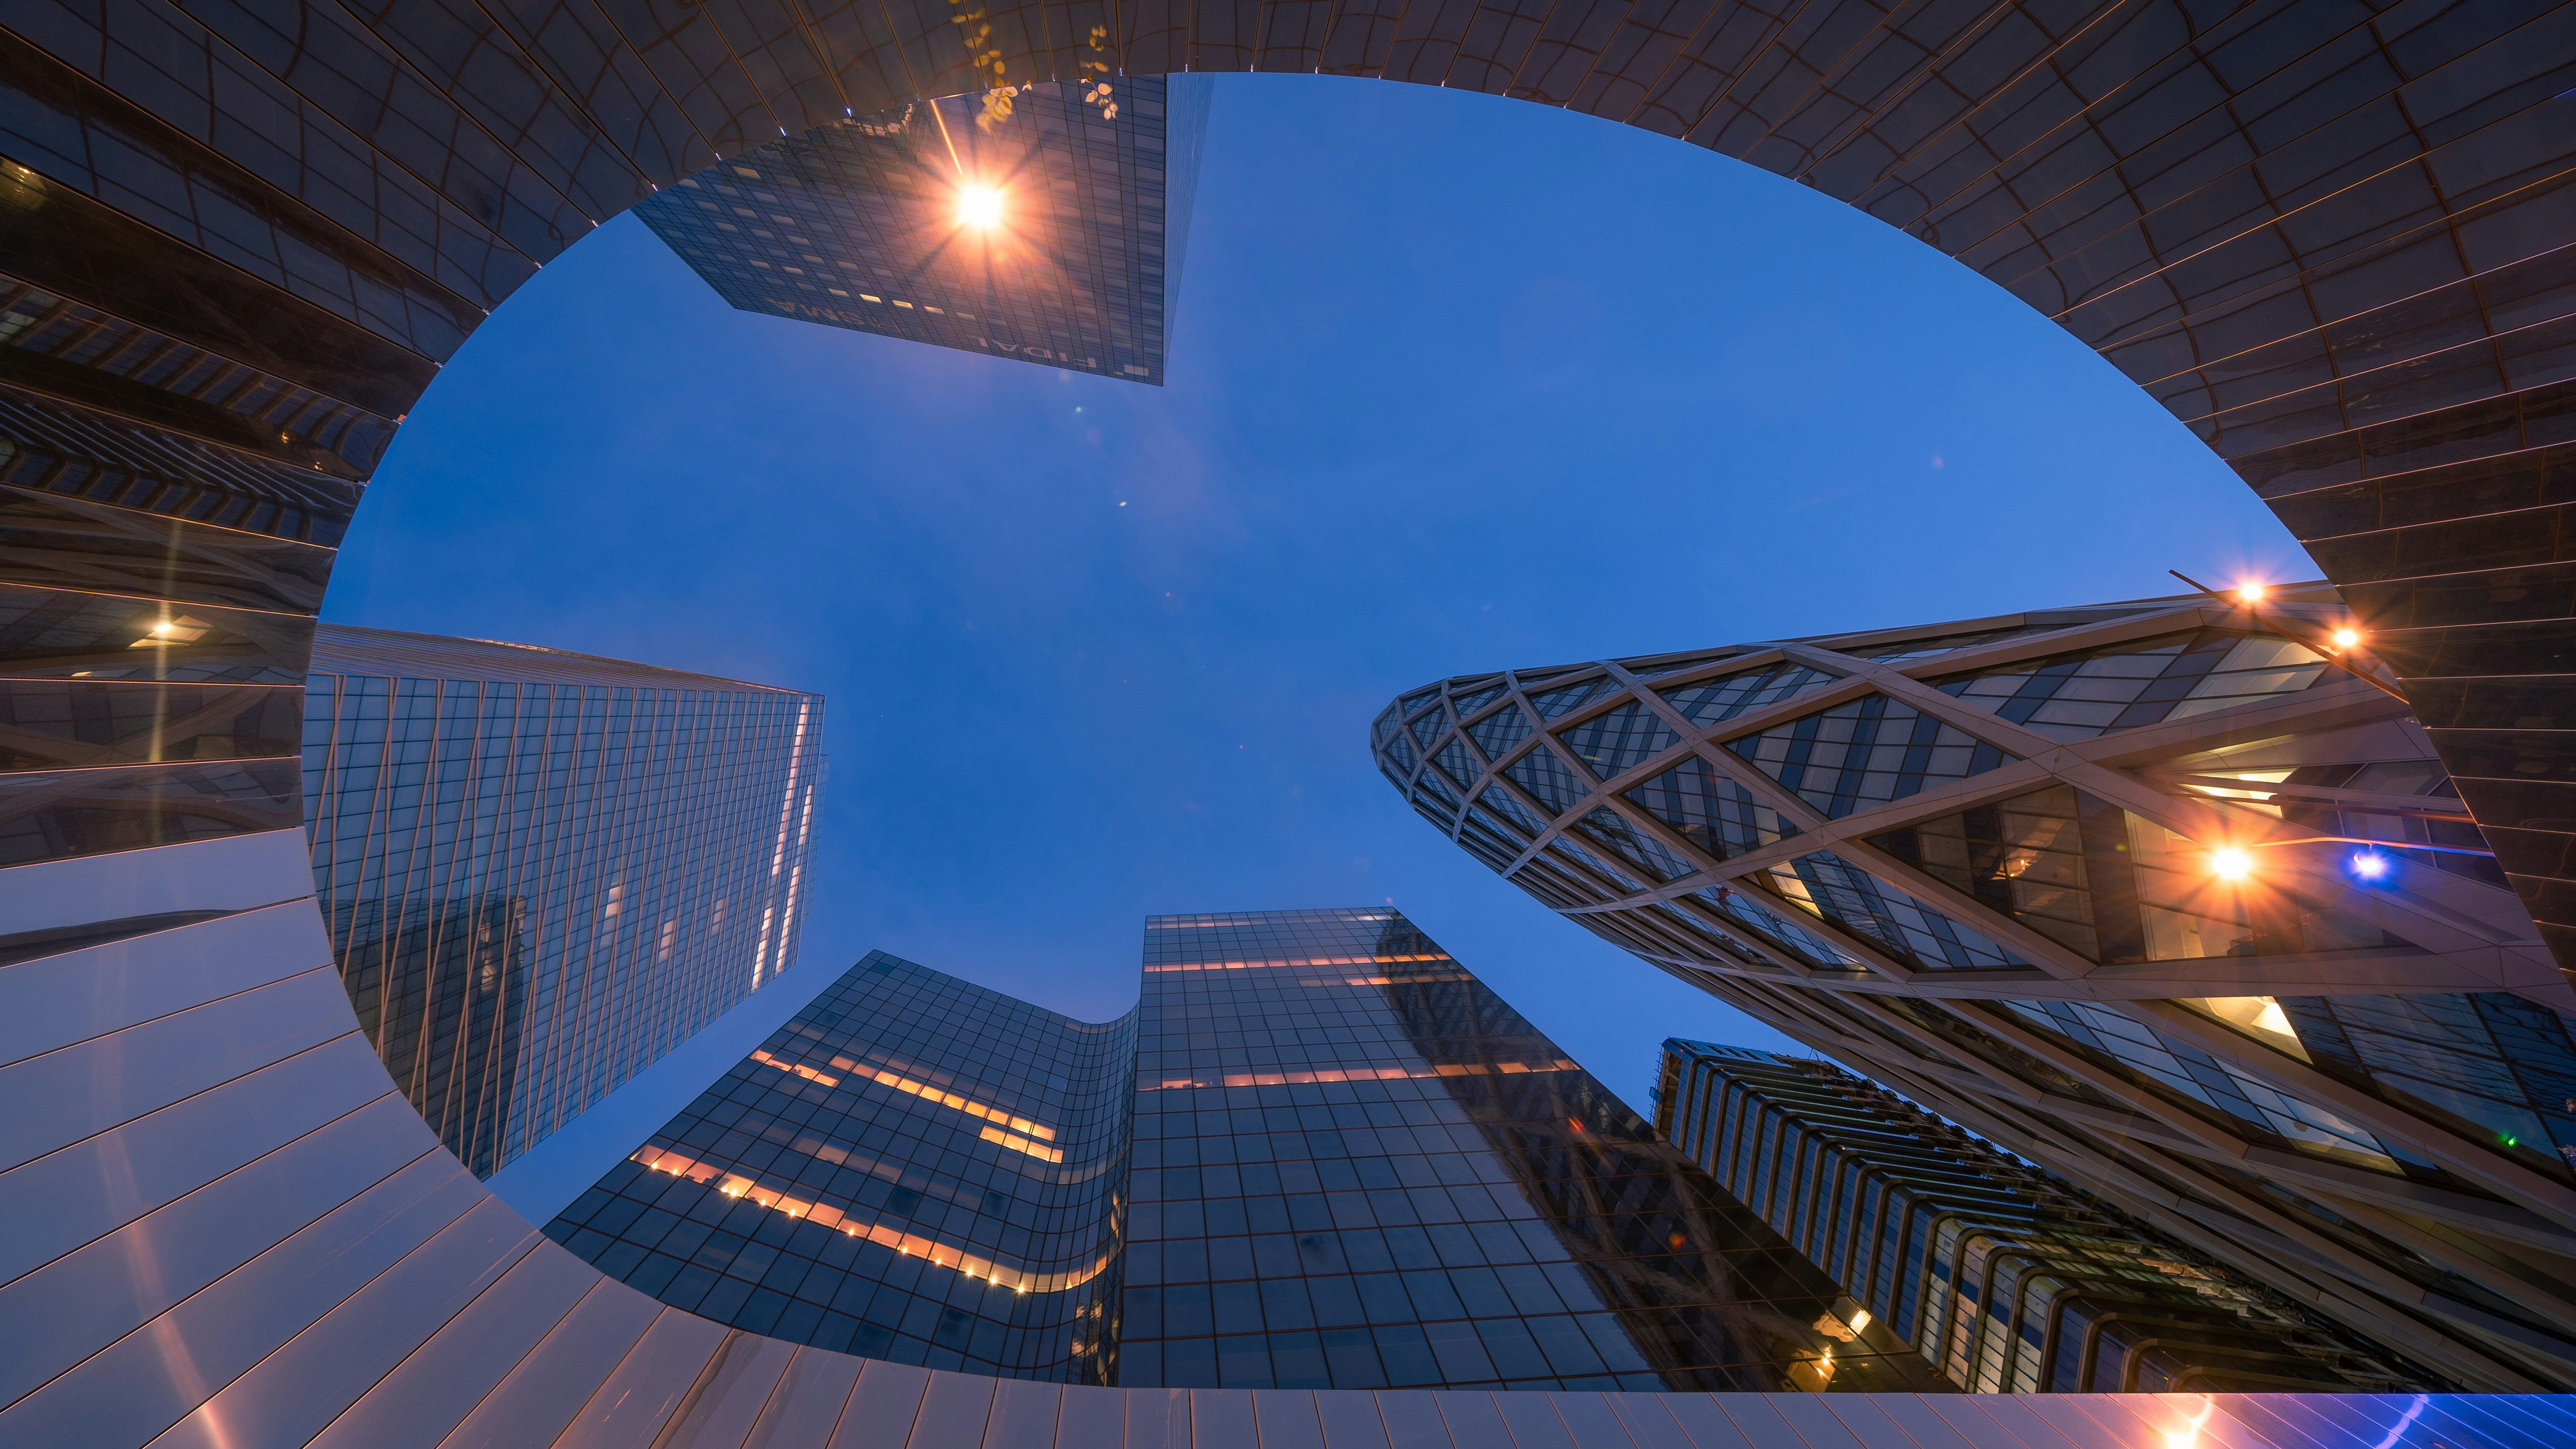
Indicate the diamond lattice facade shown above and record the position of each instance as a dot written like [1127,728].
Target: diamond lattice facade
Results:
[2169,896]
[238,242]
[857,223]
[543,870]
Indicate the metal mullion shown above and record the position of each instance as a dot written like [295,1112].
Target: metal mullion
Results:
[2374,972]
[1645,924]
[2365,1212]
[1551,826]
[558,867]
[675,806]
[1694,741]
[767,742]
[773,881]
[511,848]
[613,812]
[492,1106]
[1767,791]
[2047,954]
[1950,798]
[668,811]
[695,959]
[707,774]
[380,842]
[2474,1216]
[2203,818]
[629,804]
[2422,807]
[2296,1079]
[607,821]
[1687,972]
[2106,1173]
[387,49]
[2085,118]
[167,605]
[2120,789]
[2072,639]
[1752,940]
[2338,704]
[1927,1043]
[1871,956]
[2469,1265]
[2425,162]
[1727,969]
[1623,685]
[2230,1144]
[532,871]
[1848,684]
[1760,656]
[1827,78]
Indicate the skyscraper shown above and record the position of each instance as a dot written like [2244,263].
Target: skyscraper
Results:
[240,241]
[2171,896]
[914,1169]
[2007,1279]
[542,870]
[1319,1154]
[1047,226]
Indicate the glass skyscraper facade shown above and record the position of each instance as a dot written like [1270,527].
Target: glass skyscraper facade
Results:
[2007,1279]
[1319,1154]
[857,223]
[914,1169]
[241,240]
[2172,897]
[542,870]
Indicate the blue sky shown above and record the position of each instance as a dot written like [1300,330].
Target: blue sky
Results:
[1458,383]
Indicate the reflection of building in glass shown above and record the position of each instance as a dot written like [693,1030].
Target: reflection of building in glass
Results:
[441,988]
[2161,895]
[240,240]
[872,224]
[2008,1279]
[1352,1166]
[543,870]
[913,1169]
[1356,1167]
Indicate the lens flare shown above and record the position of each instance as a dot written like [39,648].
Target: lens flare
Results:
[2253,593]
[2370,865]
[2346,638]
[2230,863]
[979,207]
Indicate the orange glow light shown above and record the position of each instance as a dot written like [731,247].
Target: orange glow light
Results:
[2230,863]
[2252,593]
[979,206]
[2346,638]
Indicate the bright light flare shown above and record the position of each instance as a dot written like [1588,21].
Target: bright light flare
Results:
[979,207]
[2370,865]
[2253,593]
[2230,863]
[2346,638]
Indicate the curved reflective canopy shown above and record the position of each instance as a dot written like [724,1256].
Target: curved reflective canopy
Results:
[236,244]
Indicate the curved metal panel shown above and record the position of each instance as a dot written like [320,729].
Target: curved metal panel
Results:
[2326,237]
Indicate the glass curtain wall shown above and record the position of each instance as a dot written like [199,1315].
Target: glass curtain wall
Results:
[542,870]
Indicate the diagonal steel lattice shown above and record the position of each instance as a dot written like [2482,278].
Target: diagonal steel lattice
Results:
[238,242]
[1981,861]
